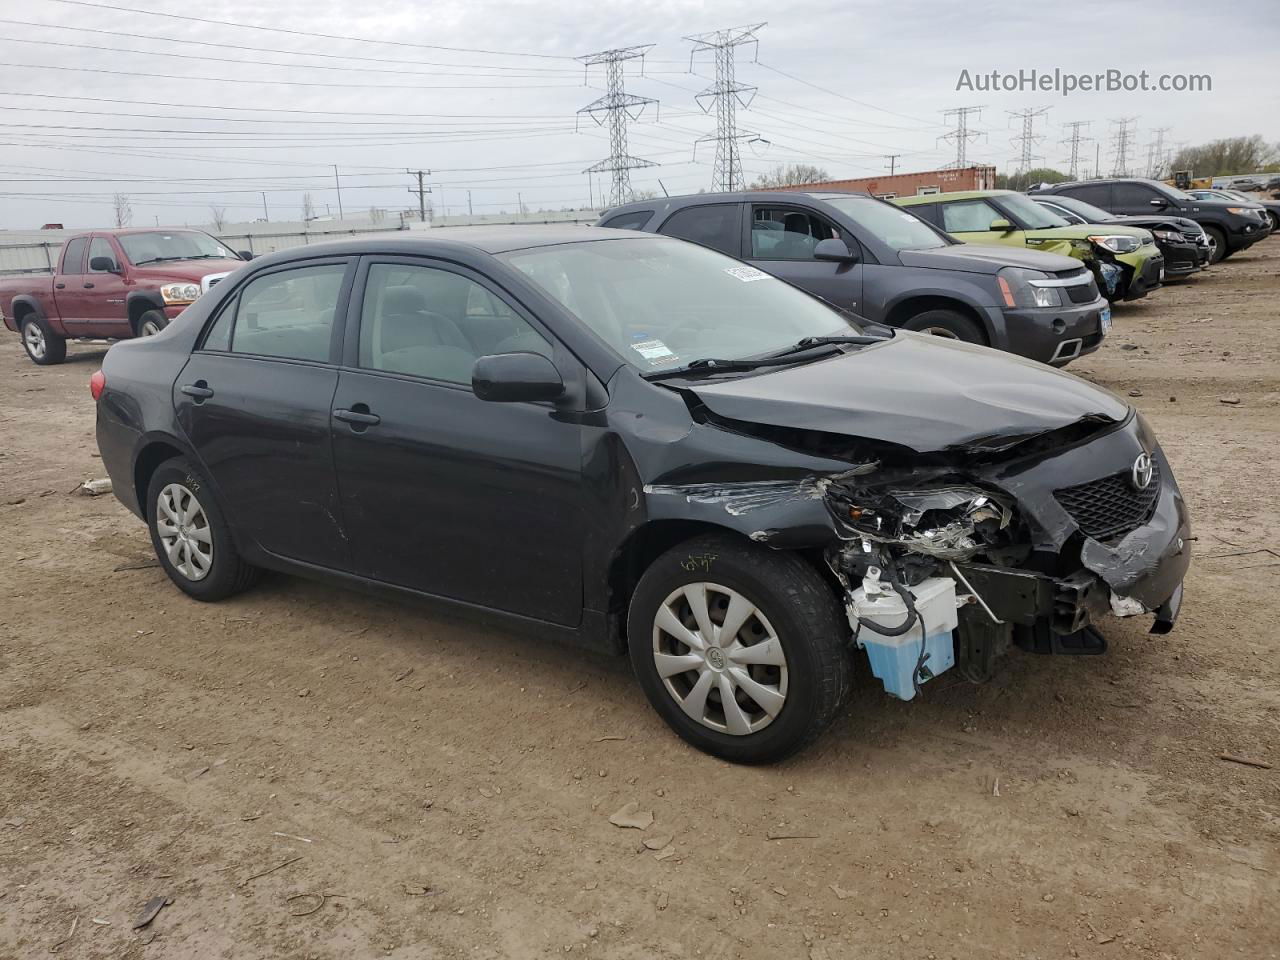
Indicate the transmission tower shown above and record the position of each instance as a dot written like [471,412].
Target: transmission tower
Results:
[1028,138]
[1120,144]
[617,107]
[961,135]
[1074,141]
[727,94]
[1155,153]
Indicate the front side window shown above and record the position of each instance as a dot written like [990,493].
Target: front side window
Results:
[159,246]
[100,247]
[661,304]
[289,314]
[433,323]
[1029,213]
[714,225]
[899,228]
[785,233]
[968,216]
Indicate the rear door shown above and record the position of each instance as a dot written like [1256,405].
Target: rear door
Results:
[254,400]
[970,221]
[782,238]
[1136,198]
[69,293]
[443,492]
[105,311]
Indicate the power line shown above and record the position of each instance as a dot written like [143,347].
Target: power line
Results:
[114,8]
[1074,140]
[727,94]
[618,107]
[961,135]
[843,96]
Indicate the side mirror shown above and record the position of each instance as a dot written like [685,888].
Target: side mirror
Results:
[103,265]
[1158,203]
[516,377]
[833,249]
[244,254]
[1001,225]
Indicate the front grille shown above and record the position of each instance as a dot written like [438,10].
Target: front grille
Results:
[1109,508]
[1083,292]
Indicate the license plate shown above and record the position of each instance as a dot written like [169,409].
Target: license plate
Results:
[1105,318]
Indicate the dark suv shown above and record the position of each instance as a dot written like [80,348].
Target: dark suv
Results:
[889,266]
[1232,226]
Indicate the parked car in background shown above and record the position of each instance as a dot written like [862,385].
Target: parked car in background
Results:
[867,256]
[1126,261]
[1231,225]
[113,284]
[1272,207]
[642,445]
[1182,242]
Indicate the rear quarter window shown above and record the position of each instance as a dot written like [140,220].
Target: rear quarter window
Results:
[634,220]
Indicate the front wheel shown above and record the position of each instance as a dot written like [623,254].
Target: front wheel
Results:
[151,323]
[739,648]
[190,535]
[43,346]
[947,324]
[1217,245]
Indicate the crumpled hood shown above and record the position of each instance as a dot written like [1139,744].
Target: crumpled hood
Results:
[916,391]
[986,258]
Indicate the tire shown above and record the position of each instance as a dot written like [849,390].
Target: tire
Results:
[948,324]
[43,346]
[150,323]
[204,534]
[1219,241]
[807,674]
[1275,222]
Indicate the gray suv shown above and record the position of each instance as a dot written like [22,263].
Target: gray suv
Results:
[885,264]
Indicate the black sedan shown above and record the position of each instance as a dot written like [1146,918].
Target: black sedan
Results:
[1185,245]
[643,446]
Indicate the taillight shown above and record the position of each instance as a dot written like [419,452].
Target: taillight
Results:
[97,383]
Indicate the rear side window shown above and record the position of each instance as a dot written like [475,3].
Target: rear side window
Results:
[289,314]
[925,211]
[1133,195]
[73,256]
[715,225]
[968,216]
[635,220]
[1099,194]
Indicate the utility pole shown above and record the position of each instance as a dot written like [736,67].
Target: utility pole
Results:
[470,212]
[1028,138]
[338,183]
[961,135]
[616,107]
[728,95]
[1120,146]
[422,190]
[1155,153]
[265,217]
[893,161]
[1074,140]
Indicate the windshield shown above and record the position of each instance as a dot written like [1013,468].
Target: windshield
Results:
[160,245]
[889,224]
[1090,213]
[1029,213]
[663,303]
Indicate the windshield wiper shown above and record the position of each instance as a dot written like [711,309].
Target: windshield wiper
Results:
[141,263]
[713,365]
[810,342]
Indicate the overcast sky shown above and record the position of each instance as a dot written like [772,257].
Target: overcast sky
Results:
[209,123]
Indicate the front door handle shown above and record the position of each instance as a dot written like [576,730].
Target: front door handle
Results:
[359,417]
[60,286]
[200,390]
[88,286]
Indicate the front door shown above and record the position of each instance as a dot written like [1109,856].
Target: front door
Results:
[105,310]
[69,291]
[254,401]
[782,241]
[443,492]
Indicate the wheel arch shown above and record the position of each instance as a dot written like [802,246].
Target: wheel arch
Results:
[139,302]
[23,306]
[154,451]
[906,308]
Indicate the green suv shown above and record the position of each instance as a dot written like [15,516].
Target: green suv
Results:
[1125,260]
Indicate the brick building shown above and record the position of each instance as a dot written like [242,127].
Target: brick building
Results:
[913,184]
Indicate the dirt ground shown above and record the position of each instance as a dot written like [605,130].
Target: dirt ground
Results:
[310,773]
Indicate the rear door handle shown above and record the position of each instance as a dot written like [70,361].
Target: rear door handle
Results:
[358,418]
[60,286]
[197,390]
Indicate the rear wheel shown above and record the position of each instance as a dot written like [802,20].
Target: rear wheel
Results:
[947,324]
[151,323]
[739,648]
[43,346]
[1217,244]
[190,535]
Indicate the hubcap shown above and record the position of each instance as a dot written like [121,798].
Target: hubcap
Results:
[720,658]
[150,328]
[184,531]
[34,338]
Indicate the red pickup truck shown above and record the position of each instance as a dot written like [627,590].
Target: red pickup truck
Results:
[113,284]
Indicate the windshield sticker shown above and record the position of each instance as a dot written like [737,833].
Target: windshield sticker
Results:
[746,274]
[655,351]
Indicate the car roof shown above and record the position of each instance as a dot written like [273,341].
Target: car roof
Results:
[740,196]
[955,195]
[440,240]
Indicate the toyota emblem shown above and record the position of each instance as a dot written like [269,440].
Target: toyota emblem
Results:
[1143,470]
